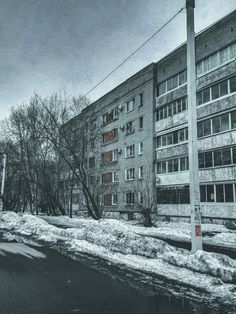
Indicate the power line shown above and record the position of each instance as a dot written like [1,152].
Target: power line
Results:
[129,56]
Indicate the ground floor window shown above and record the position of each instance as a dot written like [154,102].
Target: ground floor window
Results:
[129,197]
[221,193]
[173,195]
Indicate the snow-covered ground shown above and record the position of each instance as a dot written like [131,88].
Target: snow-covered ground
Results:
[120,243]
[179,231]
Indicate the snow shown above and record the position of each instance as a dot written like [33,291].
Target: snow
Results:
[121,243]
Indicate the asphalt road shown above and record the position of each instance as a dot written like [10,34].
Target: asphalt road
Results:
[39,280]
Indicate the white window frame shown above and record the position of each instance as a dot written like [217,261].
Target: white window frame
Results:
[114,155]
[129,174]
[140,148]
[130,151]
[126,198]
[140,172]
[128,103]
[114,176]
[112,199]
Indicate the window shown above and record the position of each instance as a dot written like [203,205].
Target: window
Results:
[129,127]
[140,122]
[110,136]
[217,193]
[107,177]
[91,162]
[233,51]
[129,151]
[224,55]
[107,199]
[229,195]
[140,99]
[129,174]
[140,197]
[130,105]
[114,199]
[173,195]
[172,83]
[140,172]
[115,155]
[233,120]
[234,155]
[172,108]
[210,197]
[129,198]
[114,176]
[232,83]
[184,164]
[172,138]
[140,148]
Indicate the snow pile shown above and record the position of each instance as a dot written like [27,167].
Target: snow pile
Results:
[115,237]
[229,238]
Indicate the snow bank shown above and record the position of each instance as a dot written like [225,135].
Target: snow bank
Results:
[113,236]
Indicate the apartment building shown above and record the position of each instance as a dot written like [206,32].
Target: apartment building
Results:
[139,132]
[119,143]
[216,114]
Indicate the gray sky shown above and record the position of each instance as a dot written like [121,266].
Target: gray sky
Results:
[50,44]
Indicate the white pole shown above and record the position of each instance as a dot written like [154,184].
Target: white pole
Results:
[3,180]
[196,233]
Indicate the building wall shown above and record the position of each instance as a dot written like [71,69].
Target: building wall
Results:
[208,42]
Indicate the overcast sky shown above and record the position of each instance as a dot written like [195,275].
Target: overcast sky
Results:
[50,44]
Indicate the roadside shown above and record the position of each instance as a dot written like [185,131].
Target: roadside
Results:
[213,274]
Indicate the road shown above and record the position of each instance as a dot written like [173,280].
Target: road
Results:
[38,279]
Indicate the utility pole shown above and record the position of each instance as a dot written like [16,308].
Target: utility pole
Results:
[196,233]
[3,180]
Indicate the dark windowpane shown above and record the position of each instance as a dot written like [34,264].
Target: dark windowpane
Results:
[202,193]
[216,125]
[225,122]
[183,164]
[164,140]
[170,166]
[182,77]
[229,196]
[161,113]
[206,95]
[234,155]
[158,141]
[219,193]
[208,159]
[217,158]
[233,84]
[210,193]
[165,112]
[215,91]
[223,88]
[162,88]
[175,137]
[200,129]
[179,105]
[226,156]
[174,108]
[169,139]
[233,119]
[169,110]
[157,115]
[206,127]
[163,166]
[184,104]
[175,81]
[170,84]
[181,135]
[201,160]
[199,98]
[158,167]
[175,166]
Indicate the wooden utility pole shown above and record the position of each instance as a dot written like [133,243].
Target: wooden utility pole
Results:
[3,180]
[196,233]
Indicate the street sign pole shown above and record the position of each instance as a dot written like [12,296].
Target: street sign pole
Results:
[196,233]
